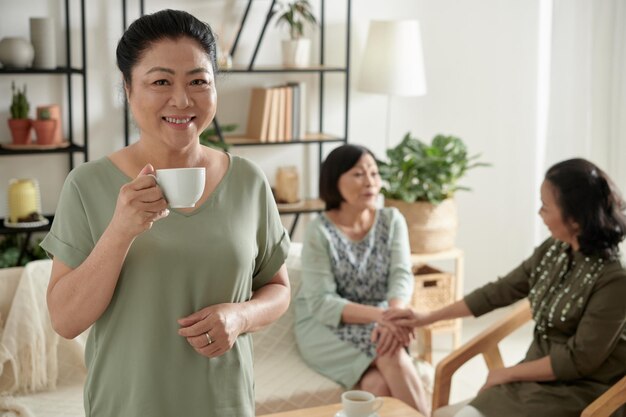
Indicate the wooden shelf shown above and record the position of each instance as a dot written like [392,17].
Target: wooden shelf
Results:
[69,149]
[31,71]
[309,138]
[278,69]
[304,206]
[453,253]
[15,230]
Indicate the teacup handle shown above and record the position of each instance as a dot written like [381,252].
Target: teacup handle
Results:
[378,402]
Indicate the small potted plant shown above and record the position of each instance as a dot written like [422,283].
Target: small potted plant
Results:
[296,49]
[45,127]
[421,180]
[19,123]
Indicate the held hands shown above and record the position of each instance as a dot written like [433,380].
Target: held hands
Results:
[139,204]
[388,340]
[390,337]
[406,317]
[213,330]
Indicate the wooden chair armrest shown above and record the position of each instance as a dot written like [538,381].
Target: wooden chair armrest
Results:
[486,343]
[607,403]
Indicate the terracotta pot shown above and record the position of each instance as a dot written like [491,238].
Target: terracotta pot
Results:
[432,228]
[44,130]
[55,114]
[20,131]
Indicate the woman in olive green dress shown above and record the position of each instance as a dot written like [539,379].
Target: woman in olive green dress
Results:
[576,286]
[171,296]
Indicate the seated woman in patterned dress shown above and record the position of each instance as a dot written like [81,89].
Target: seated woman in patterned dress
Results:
[356,263]
[576,286]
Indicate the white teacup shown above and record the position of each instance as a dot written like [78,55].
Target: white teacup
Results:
[182,187]
[360,403]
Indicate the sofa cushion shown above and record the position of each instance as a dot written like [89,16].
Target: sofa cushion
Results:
[283,381]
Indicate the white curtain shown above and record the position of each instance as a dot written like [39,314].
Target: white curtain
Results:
[586,88]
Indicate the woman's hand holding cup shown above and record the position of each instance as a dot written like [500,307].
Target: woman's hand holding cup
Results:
[139,204]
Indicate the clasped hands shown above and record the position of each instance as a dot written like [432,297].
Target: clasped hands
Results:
[395,329]
[390,333]
[223,323]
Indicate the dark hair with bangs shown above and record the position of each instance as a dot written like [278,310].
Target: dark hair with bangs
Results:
[164,24]
[339,161]
[586,195]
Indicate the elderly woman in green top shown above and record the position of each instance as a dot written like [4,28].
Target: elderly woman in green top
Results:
[576,286]
[355,264]
[171,295]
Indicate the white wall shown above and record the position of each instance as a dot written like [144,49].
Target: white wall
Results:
[480,59]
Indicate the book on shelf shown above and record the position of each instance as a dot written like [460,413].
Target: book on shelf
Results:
[282,94]
[259,114]
[288,108]
[272,133]
[277,114]
[299,107]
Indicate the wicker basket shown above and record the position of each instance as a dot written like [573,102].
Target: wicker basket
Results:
[433,289]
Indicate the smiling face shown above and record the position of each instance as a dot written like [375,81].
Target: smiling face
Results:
[360,185]
[550,212]
[172,94]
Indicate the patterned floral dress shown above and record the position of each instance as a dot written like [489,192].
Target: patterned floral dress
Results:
[338,270]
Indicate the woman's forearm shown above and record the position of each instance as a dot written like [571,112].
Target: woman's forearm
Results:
[533,371]
[267,304]
[455,310]
[397,303]
[354,313]
[537,370]
[77,298]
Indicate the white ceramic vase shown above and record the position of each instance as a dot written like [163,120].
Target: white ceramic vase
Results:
[43,40]
[16,52]
[296,53]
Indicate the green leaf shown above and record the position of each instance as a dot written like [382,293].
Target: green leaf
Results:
[294,15]
[417,171]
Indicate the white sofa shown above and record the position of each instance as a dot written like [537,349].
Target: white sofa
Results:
[282,380]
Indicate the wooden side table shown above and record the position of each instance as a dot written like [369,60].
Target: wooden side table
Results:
[454,326]
[392,407]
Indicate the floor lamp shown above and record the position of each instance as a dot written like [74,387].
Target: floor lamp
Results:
[393,63]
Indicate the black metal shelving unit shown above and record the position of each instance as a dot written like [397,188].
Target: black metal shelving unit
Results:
[68,71]
[321,70]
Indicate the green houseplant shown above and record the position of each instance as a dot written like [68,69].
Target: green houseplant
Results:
[210,138]
[420,180]
[10,247]
[296,49]
[19,123]
[418,171]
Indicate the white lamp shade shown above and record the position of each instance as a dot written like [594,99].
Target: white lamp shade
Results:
[393,62]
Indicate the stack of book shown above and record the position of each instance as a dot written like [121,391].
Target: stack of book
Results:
[277,114]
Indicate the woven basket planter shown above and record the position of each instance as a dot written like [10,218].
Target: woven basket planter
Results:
[432,228]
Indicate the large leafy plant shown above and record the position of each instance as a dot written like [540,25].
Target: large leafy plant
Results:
[210,138]
[295,14]
[10,246]
[417,171]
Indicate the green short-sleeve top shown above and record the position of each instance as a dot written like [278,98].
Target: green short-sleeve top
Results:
[231,245]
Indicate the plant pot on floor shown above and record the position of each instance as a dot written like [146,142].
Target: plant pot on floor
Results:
[296,53]
[45,131]
[432,228]
[20,131]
